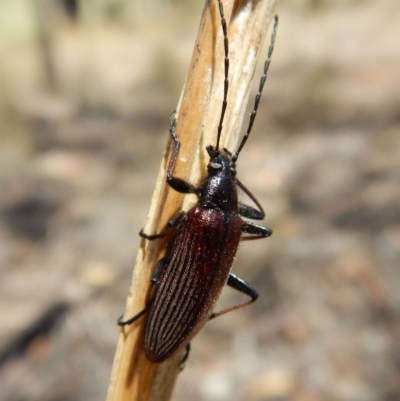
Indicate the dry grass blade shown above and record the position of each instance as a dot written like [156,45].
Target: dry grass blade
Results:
[198,113]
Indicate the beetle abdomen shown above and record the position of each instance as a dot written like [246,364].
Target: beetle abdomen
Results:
[200,260]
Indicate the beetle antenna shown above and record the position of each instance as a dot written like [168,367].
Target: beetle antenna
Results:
[260,88]
[226,81]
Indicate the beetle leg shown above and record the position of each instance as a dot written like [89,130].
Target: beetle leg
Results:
[150,237]
[256,231]
[173,222]
[176,183]
[240,285]
[248,211]
[155,278]
[122,322]
[185,357]
[158,270]
[180,185]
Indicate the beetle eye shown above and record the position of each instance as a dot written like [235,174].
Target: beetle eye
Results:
[216,166]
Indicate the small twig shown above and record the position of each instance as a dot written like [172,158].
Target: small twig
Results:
[198,113]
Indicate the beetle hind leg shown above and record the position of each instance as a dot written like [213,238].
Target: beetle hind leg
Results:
[185,357]
[240,285]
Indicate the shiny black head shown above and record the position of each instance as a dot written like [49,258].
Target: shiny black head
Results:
[220,160]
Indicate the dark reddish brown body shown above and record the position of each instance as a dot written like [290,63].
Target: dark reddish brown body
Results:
[190,279]
[192,276]
[199,264]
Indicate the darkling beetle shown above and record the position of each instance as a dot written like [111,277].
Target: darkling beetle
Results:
[190,279]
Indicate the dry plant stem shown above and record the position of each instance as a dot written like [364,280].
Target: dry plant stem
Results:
[133,376]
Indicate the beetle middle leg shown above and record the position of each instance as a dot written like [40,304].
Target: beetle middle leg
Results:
[248,211]
[122,322]
[240,285]
[173,222]
[155,278]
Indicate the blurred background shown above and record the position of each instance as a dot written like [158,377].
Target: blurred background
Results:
[86,88]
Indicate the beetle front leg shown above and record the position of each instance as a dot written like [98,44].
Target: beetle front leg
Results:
[176,183]
[256,231]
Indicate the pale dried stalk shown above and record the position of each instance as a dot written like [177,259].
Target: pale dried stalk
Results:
[198,113]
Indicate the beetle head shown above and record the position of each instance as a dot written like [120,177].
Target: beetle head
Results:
[220,160]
